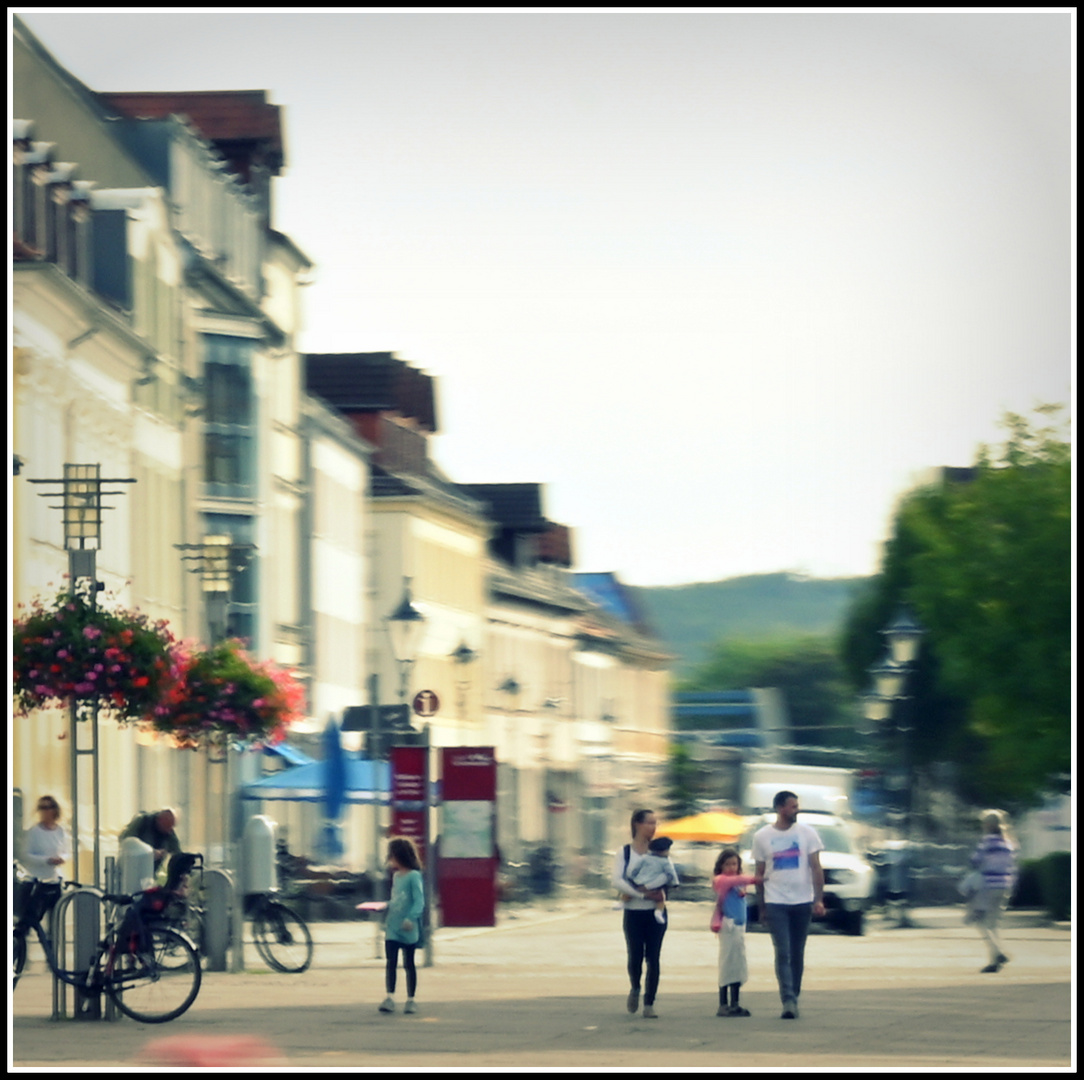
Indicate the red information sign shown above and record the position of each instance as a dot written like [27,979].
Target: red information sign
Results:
[468,841]
[408,794]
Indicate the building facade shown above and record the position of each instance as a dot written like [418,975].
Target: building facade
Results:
[156,316]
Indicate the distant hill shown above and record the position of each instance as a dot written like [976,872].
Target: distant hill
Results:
[689,619]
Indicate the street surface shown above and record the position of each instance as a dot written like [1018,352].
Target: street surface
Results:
[546,988]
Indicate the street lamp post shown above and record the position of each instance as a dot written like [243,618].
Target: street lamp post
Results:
[216,559]
[890,676]
[405,626]
[81,504]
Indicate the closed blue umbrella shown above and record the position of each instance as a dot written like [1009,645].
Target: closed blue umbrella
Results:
[331,843]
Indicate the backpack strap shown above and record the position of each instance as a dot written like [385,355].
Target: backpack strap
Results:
[628,853]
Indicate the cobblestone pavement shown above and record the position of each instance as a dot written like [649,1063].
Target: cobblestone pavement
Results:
[546,988]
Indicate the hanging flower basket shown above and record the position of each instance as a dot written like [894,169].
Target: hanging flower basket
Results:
[72,648]
[222,695]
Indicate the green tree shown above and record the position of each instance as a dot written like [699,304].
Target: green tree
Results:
[986,565]
[682,783]
[805,668]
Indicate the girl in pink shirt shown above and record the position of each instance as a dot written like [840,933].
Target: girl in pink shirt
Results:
[728,921]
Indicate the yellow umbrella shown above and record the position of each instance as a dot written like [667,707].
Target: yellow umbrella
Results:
[712,826]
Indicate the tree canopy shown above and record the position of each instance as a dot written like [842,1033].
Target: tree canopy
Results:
[985,562]
[805,668]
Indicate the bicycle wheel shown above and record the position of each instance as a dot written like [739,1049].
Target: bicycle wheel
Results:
[173,954]
[157,985]
[18,956]
[282,938]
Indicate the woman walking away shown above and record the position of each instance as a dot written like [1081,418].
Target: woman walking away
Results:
[643,935]
[995,859]
[402,924]
[728,920]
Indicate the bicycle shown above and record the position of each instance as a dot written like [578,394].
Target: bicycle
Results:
[148,970]
[281,936]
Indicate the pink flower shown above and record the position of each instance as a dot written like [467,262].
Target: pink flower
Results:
[91,632]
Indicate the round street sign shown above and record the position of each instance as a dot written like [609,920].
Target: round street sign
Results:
[426,703]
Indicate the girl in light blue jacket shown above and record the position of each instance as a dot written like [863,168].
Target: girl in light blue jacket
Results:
[402,923]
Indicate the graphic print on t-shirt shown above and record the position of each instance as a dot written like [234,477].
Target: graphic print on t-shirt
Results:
[787,858]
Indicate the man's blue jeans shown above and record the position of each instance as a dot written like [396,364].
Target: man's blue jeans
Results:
[789,924]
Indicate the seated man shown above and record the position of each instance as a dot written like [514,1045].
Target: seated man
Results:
[156,830]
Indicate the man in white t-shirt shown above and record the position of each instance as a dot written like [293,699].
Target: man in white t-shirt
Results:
[787,856]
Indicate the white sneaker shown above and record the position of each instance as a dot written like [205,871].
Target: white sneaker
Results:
[409,1006]
[387,1005]
[660,917]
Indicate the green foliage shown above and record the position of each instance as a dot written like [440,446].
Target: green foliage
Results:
[682,775]
[804,668]
[691,619]
[986,566]
[1055,873]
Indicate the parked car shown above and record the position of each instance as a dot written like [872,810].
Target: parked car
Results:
[848,876]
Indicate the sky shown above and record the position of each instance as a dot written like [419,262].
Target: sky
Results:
[724,281]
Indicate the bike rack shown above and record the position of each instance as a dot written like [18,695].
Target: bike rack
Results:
[87,922]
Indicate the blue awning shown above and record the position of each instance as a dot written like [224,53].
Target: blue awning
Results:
[290,754]
[366,782]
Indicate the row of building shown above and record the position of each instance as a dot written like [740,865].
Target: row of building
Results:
[156,316]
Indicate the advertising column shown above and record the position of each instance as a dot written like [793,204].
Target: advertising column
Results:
[468,849]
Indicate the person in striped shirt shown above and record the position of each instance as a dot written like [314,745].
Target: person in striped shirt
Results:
[995,859]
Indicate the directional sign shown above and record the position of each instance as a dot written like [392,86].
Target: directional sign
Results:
[385,717]
[426,703]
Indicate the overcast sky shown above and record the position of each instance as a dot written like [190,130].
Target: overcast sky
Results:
[722,281]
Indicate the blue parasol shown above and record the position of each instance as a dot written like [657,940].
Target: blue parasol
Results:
[334,769]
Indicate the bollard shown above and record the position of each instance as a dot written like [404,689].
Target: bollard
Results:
[261,867]
[218,889]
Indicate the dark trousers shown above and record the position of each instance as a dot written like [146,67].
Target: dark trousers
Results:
[391,956]
[643,936]
[789,924]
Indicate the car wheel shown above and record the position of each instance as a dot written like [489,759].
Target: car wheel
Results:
[854,923]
